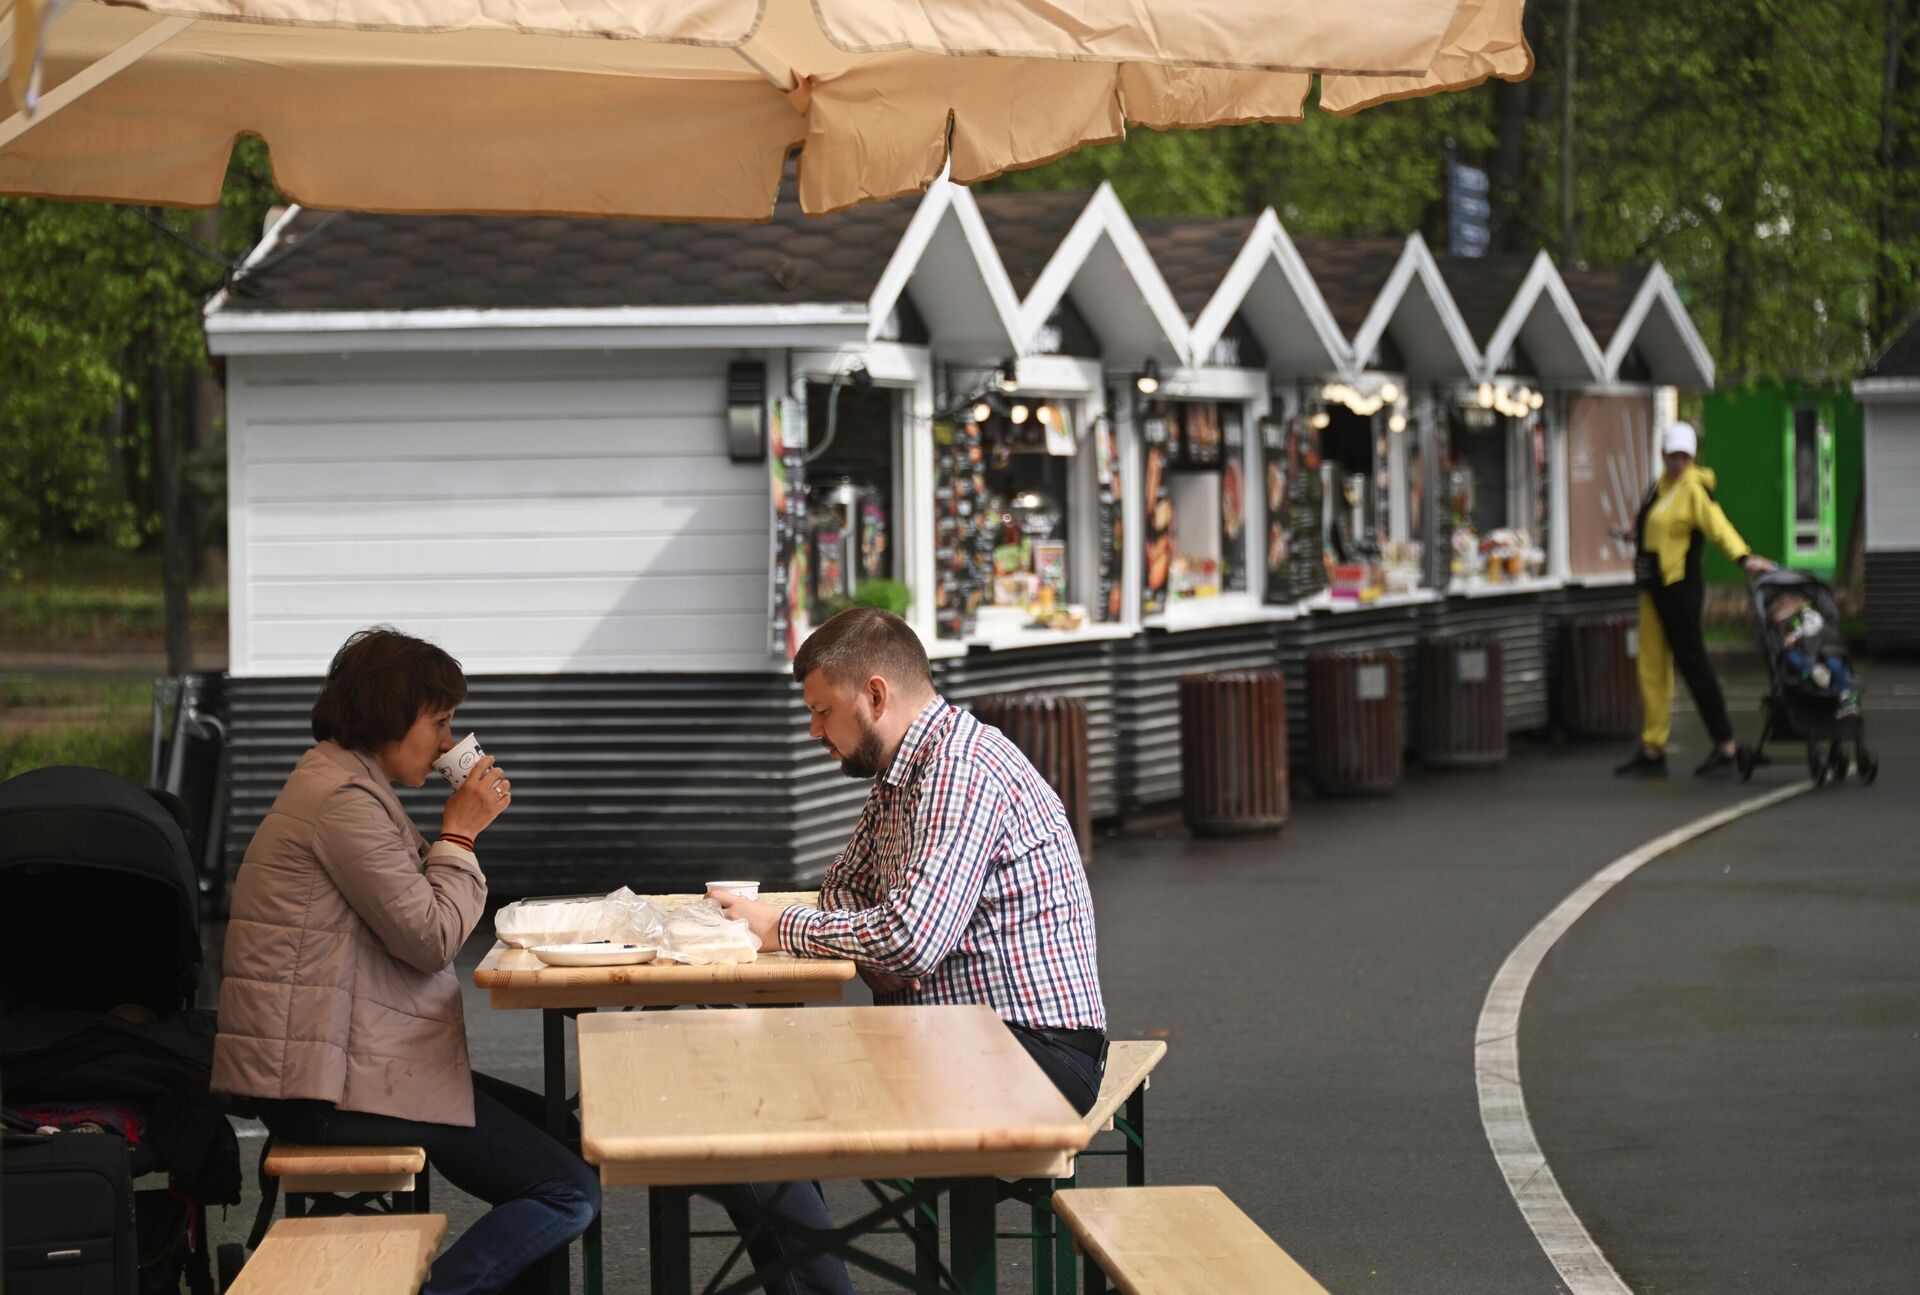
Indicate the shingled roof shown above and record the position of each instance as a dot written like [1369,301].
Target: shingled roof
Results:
[339,261]
[1483,287]
[1195,255]
[1604,297]
[1028,228]
[1901,358]
[1350,273]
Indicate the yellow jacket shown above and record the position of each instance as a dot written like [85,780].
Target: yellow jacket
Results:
[1681,510]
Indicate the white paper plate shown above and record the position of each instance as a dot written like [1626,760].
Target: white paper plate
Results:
[594,955]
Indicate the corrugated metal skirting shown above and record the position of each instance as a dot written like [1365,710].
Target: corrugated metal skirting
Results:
[1519,621]
[642,780]
[1893,601]
[1147,699]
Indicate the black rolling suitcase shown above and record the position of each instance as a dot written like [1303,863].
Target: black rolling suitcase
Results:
[68,1215]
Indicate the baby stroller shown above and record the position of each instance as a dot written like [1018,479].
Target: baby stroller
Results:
[1795,709]
[99,968]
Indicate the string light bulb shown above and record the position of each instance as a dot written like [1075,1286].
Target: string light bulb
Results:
[1320,420]
[1486,395]
[1397,423]
[1018,415]
[982,412]
[1047,415]
[1390,392]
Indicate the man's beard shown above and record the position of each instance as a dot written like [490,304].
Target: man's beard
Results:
[865,760]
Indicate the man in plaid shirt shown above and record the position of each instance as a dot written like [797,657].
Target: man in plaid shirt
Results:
[962,883]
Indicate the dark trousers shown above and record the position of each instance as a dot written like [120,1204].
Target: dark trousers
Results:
[543,1195]
[1072,1071]
[1679,606]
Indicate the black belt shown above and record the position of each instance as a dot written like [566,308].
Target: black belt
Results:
[1089,1041]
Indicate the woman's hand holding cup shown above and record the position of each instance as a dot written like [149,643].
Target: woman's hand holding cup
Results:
[478,800]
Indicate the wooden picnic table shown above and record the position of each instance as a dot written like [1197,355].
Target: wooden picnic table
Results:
[943,1096]
[517,980]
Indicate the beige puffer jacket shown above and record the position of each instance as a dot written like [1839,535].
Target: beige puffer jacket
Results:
[337,982]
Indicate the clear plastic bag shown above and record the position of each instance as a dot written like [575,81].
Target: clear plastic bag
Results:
[700,934]
[622,917]
[628,919]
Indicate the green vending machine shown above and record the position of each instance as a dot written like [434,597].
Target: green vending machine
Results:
[1811,512]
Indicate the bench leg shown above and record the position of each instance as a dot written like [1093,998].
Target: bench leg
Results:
[925,1224]
[669,1247]
[1096,1280]
[1136,1132]
[1063,1255]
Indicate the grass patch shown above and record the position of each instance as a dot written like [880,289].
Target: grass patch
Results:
[94,594]
[122,747]
[104,722]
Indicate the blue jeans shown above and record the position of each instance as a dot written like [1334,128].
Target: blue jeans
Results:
[543,1195]
[1073,1072]
[1802,666]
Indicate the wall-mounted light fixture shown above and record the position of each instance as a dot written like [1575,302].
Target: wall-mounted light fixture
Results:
[747,411]
[1148,379]
[1009,375]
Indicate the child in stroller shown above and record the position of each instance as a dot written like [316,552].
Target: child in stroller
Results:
[1797,627]
[1812,693]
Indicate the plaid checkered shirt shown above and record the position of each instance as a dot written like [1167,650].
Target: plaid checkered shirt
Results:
[962,873]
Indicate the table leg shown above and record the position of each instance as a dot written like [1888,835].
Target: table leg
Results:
[1136,1135]
[971,1207]
[669,1247]
[1063,1255]
[553,1049]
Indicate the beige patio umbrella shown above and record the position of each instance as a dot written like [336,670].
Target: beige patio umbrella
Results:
[674,109]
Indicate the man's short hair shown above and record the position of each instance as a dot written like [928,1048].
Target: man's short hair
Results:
[862,642]
[380,682]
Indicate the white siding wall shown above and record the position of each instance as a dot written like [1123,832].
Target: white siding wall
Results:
[531,514]
[1893,474]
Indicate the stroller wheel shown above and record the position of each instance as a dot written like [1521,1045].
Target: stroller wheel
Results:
[1869,766]
[1837,763]
[1745,760]
[1816,765]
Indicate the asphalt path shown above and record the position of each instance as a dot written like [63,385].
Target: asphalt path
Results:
[1319,994]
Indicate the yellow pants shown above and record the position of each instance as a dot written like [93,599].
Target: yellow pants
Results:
[1656,678]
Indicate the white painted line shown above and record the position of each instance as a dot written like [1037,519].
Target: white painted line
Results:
[1496,1064]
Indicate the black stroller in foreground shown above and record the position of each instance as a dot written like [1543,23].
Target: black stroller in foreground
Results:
[99,1037]
[1794,709]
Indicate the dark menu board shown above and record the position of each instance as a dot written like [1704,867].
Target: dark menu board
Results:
[1233,499]
[1112,526]
[1295,567]
[963,534]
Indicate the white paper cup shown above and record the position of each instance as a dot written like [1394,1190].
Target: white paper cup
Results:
[456,764]
[744,889]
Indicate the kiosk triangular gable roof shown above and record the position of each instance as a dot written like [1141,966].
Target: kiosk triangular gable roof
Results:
[1248,265]
[1638,308]
[334,272]
[1516,298]
[1411,304]
[1900,358]
[1100,260]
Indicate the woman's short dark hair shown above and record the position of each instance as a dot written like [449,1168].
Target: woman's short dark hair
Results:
[380,682]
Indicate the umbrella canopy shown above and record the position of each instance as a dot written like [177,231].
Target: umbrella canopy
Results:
[676,109]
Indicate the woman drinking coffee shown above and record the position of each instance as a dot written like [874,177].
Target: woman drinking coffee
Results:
[339,1009]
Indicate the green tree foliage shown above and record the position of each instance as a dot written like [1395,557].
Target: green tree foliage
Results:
[99,310]
[1767,153]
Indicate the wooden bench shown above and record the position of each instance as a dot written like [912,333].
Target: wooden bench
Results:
[1121,1106]
[363,1255]
[349,1180]
[1175,1241]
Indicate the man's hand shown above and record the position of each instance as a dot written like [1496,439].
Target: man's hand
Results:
[762,919]
[885,982]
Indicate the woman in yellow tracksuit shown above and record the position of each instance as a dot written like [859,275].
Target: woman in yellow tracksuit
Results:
[1679,515]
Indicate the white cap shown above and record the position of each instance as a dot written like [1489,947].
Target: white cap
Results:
[1680,438]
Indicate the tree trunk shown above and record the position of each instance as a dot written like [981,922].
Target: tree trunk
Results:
[1569,214]
[174,561]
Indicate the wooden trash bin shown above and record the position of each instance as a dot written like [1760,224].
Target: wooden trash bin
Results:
[1233,751]
[1354,725]
[1052,733]
[1463,704]
[1600,675]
